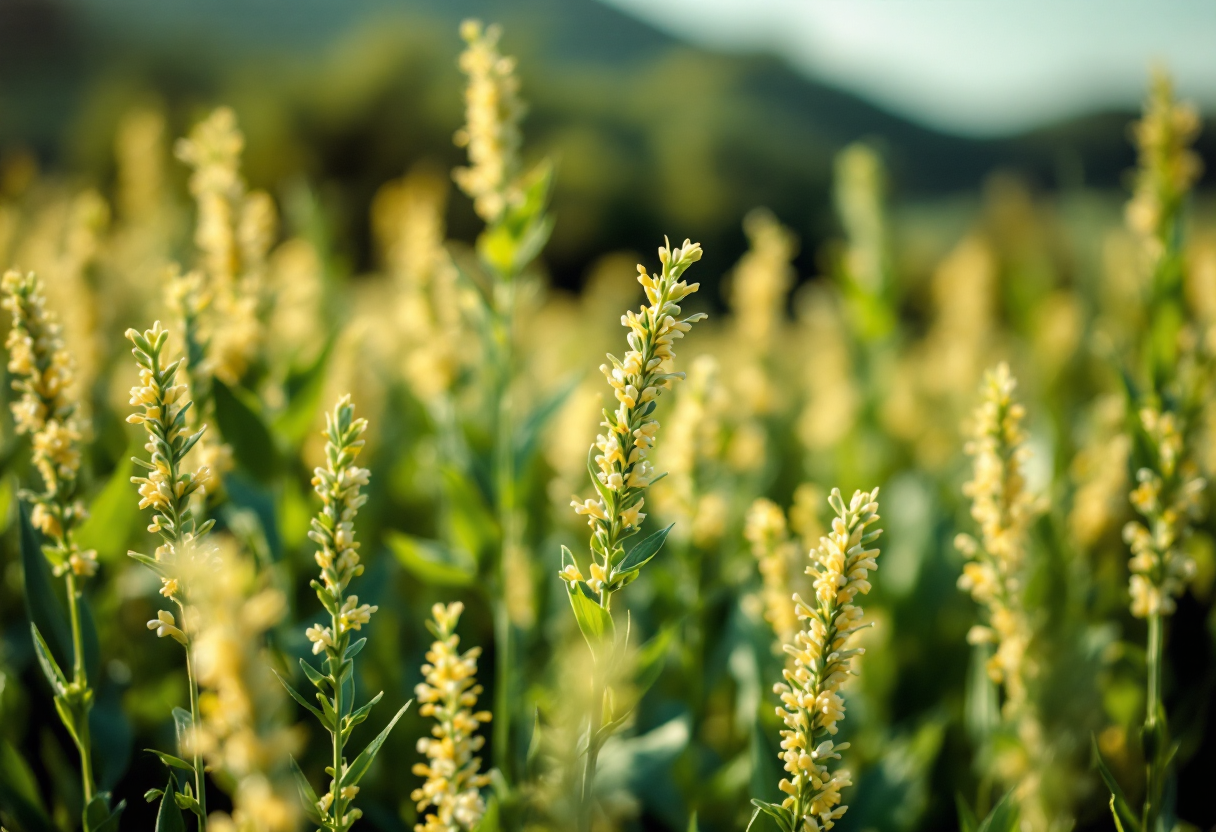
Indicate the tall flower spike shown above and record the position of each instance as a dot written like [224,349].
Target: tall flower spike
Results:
[1170,499]
[491,132]
[624,471]
[449,694]
[162,406]
[1167,166]
[339,484]
[43,375]
[811,704]
[768,534]
[185,558]
[1003,509]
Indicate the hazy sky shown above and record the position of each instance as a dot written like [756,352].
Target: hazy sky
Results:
[973,66]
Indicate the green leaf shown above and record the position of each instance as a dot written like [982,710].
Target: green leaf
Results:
[356,770]
[468,522]
[314,676]
[431,561]
[490,821]
[50,668]
[1003,817]
[692,823]
[650,660]
[304,391]
[112,515]
[41,602]
[782,816]
[185,801]
[182,724]
[967,821]
[358,716]
[307,796]
[19,796]
[594,621]
[171,761]
[641,554]
[243,429]
[295,694]
[1119,805]
[529,432]
[152,563]
[98,817]
[169,817]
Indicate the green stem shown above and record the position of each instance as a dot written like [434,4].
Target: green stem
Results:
[81,684]
[1154,725]
[587,786]
[508,520]
[335,677]
[199,788]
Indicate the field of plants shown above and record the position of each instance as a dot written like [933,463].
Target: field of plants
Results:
[918,541]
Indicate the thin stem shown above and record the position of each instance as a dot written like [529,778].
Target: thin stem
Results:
[587,786]
[200,790]
[1154,725]
[508,520]
[336,682]
[81,683]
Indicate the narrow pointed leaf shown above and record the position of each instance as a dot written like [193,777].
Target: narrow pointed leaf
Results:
[307,796]
[1119,805]
[41,602]
[169,817]
[295,694]
[641,554]
[356,770]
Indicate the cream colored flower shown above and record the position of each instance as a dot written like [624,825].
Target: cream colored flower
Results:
[811,705]
[449,694]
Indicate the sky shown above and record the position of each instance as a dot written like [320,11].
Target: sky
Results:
[977,67]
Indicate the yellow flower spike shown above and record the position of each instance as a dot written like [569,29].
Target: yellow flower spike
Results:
[449,694]
[811,705]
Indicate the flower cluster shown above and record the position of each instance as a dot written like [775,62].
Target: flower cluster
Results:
[163,407]
[491,133]
[449,694]
[43,375]
[408,216]
[638,380]
[1167,166]
[1170,500]
[1003,508]
[243,733]
[338,485]
[694,444]
[768,534]
[235,230]
[811,704]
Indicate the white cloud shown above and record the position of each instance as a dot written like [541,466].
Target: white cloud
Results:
[973,66]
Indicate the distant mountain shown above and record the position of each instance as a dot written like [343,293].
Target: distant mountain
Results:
[652,136]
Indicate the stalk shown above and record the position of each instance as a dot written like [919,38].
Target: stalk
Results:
[200,791]
[80,682]
[1155,728]
[508,521]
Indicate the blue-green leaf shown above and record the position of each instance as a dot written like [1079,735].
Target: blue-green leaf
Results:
[529,432]
[169,817]
[967,821]
[594,621]
[307,796]
[641,554]
[171,761]
[1119,806]
[356,770]
[50,667]
[41,602]
[113,514]
[243,429]
[1003,817]
[304,390]
[19,795]
[99,817]
[431,561]
[296,695]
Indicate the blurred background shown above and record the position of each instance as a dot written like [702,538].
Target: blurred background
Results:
[977,156]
